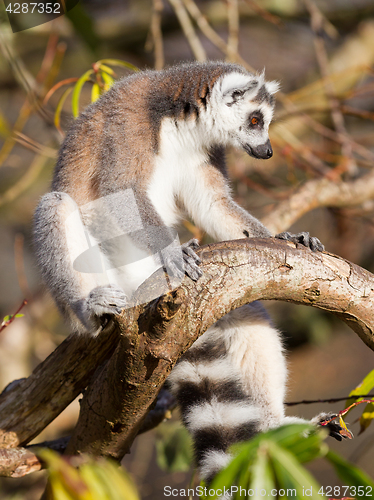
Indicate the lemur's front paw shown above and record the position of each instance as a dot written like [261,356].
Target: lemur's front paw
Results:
[304,238]
[181,260]
[106,300]
[335,429]
[191,259]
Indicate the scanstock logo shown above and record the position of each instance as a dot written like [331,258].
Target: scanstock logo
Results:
[111,242]
[25,15]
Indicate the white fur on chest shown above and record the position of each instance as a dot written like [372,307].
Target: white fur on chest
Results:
[180,158]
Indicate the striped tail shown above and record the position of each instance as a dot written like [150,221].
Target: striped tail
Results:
[214,406]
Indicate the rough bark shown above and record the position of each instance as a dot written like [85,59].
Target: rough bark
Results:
[148,339]
[154,337]
[28,406]
[319,193]
[17,462]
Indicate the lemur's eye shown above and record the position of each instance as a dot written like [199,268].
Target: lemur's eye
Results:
[254,121]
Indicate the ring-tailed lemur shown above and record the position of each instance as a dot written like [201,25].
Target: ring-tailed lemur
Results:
[147,152]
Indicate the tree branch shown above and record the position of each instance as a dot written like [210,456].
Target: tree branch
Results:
[154,336]
[27,407]
[319,193]
[148,339]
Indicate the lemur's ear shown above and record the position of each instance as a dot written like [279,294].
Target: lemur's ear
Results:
[273,87]
[235,86]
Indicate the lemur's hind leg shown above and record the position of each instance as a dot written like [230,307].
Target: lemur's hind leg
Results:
[72,265]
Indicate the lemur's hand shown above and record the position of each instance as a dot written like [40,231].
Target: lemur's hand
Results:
[304,238]
[187,263]
[335,429]
[191,259]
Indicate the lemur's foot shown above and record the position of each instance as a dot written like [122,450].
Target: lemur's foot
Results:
[335,429]
[191,259]
[304,238]
[108,299]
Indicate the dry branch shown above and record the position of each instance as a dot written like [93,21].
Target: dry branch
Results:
[150,338]
[153,337]
[188,30]
[233,25]
[318,24]
[30,405]
[17,462]
[319,193]
[156,33]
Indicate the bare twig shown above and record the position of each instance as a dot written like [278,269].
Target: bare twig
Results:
[22,75]
[327,132]
[189,30]
[319,193]
[304,152]
[331,400]
[35,146]
[156,33]
[318,25]
[12,317]
[264,13]
[25,181]
[346,410]
[210,33]
[233,26]
[52,59]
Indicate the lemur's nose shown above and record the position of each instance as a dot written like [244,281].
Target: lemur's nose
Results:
[269,151]
[263,151]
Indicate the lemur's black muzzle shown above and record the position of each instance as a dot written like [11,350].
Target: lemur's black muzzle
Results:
[263,151]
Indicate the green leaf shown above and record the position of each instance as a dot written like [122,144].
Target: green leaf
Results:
[108,80]
[77,91]
[366,417]
[262,474]
[95,92]
[364,388]
[291,475]
[106,68]
[299,442]
[101,480]
[94,482]
[116,480]
[65,480]
[59,107]
[118,62]
[174,448]
[349,473]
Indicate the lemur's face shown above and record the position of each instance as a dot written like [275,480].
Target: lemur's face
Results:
[245,110]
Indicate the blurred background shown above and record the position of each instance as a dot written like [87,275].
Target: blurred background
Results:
[321,177]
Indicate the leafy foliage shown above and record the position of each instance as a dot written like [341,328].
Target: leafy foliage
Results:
[272,460]
[101,76]
[349,473]
[364,388]
[100,480]
[174,448]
